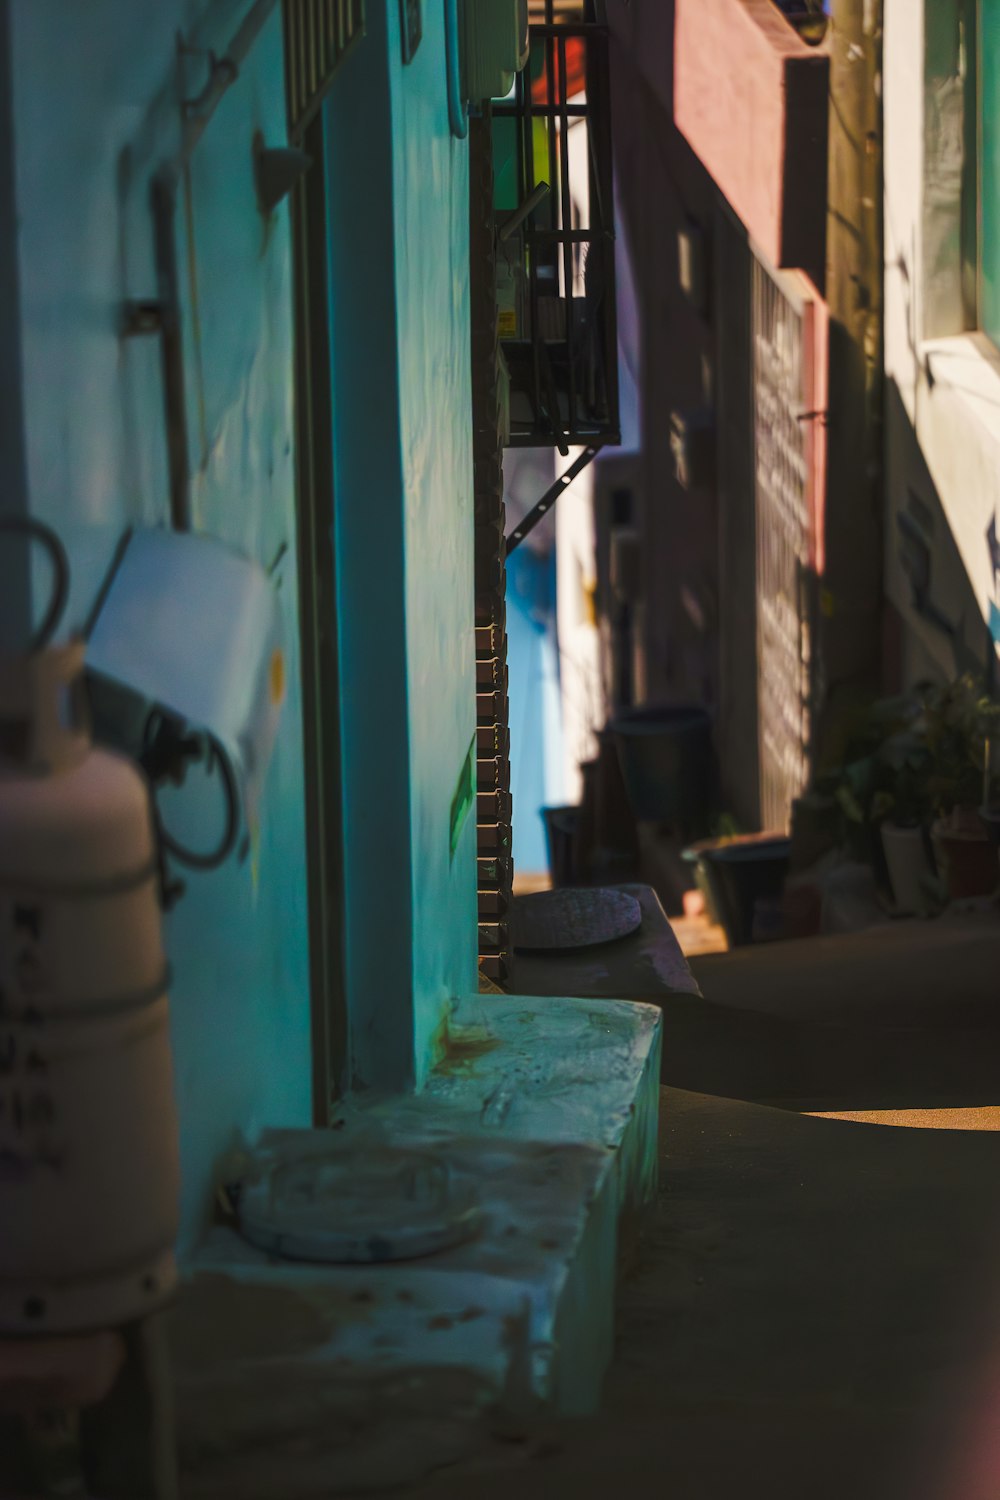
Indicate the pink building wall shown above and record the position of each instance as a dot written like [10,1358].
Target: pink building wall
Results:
[750,97]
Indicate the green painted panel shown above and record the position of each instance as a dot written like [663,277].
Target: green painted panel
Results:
[465,795]
[989,167]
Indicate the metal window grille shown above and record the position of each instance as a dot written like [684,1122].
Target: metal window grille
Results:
[556,271]
[318,35]
[785,586]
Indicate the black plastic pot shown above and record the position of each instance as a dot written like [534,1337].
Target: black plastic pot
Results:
[741,874]
[665,752]
[991,822]
[560,837]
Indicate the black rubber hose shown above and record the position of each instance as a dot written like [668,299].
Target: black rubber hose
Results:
[37,531]
[192,858]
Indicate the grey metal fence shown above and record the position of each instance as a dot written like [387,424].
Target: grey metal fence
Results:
[784,586]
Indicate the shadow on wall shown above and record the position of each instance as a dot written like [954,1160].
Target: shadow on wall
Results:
[662,190]
[935,626]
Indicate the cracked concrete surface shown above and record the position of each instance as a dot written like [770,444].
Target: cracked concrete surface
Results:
[817,1314]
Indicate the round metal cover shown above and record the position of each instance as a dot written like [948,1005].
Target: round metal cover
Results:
[359,1205]
[553,920]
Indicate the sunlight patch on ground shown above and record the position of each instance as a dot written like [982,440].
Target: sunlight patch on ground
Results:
[979,1117]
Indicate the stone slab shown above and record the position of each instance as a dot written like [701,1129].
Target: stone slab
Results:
[647,965]
[325,1380]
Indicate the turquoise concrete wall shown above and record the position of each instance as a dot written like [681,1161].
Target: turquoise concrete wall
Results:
[369,552]
[91,81]
[988,43]
[432,280]
[402,422]
[92,117]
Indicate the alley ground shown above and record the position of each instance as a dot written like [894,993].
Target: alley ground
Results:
[815,1311]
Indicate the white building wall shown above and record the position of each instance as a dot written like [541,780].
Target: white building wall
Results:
[943,381]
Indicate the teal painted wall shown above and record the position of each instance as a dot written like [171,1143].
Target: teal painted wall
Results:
[989,167]
[92,116]
[432,281]
[369,552]
[404,533]
[90,81]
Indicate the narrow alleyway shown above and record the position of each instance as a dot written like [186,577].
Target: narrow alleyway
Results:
[816,1306]
[815,1314]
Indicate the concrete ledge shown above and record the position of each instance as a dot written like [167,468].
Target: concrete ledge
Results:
[648,965]
[938,974]
[313,1380]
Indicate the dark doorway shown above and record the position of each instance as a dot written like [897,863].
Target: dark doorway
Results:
[318,622]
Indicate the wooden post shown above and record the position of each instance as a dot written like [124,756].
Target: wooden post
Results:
[127,1442]
[850,626]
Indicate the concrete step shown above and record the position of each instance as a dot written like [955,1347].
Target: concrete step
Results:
[316,1380]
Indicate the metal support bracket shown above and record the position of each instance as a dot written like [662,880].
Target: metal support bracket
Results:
[140,318]
[545,504]
[222,71]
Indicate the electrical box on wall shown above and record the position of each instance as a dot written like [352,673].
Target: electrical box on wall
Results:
[494,46]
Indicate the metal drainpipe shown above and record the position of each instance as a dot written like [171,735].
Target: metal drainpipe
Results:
[458,112]
[164,208]
[198,112]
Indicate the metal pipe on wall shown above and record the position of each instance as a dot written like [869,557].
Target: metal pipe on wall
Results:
[198,112]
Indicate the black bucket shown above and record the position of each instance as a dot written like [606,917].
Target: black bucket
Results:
[743,874]
[560,837]
[668,764]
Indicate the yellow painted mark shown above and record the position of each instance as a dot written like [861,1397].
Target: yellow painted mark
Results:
[255,858]
[983,1117]
[464,797]
[590,602]
[277,678]
[457,1049]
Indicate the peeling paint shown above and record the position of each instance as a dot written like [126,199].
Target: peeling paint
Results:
[403,457]
[521,1318]
[93,116]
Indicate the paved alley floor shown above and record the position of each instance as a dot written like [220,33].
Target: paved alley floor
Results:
[815,1316]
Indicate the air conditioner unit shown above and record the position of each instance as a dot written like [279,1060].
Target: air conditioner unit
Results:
[494,46]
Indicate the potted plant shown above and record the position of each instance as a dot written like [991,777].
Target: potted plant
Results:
[902,806]
[965,855]
[883,795]
[902,815]
[960,724]
[868,788]
[740,874]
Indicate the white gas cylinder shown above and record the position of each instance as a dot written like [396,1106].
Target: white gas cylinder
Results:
[89,1173]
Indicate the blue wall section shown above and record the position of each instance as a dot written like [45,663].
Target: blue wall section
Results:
[535,727]
[91,80]
[432,289]
[369,550]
